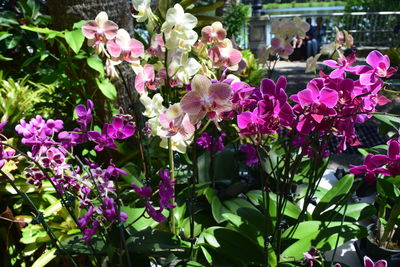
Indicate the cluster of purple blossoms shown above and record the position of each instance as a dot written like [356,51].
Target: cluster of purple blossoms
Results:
[388,165]
[210,143]
[166,194]
[88,183]
[251,154]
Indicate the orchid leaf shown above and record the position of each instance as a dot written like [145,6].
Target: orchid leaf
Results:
[74,39]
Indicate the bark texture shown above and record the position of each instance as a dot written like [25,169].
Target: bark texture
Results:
[66,12]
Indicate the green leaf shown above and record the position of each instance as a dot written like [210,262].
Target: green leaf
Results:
[207,8]
[95,62]
[46,257]
[143,222]
[389,120]
[206,20]
[186,3]
[74,39]
[12,42]
[387,189]
[42,30]
[79,24]
[218,210]
[321,236]
[4,35]
[3,58]
[151,241]
[234,245]
[336,194]
[107,88]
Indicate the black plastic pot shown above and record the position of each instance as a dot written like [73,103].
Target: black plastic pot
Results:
[365,247]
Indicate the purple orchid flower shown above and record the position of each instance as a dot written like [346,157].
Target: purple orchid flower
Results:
[371,167]
[85,114]
[89,232]
[121,129]
[144,191]
[166,189]
[105,139]
[155,214]
[251,154]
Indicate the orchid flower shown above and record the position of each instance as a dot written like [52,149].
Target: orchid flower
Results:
[145,79]
[371,167]
[281,47]
[206,99]
[99,31]
[178,20]
[225,55]
[144,10]
[184,68]
[157,46]
[369,263]
[125,48]
[153,106]
[380,68]
[183,41]
[214,33]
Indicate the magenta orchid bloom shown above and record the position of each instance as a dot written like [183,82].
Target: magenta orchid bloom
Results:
[380,68]
[343,65]
[369,263]
[125,48]
[157,46]
[371,167]
[145,79]
[213,33]
[99,31]
[121,129]
[321,102]
[206,99]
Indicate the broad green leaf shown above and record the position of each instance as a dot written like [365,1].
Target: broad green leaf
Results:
[152,241]
[143,222]
[387,189]
[42,30]
[186,3]
[291,210]
[234,245]
[3,58]
[336,194]
[46,257]
[218,210]
[206,20]
[390,120]
[324,239]
[96,63]
[107,88]
[4,35]
[74,39]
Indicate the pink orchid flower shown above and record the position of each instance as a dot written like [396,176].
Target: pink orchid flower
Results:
[214,33]
[224,55]
[343,65]
[125,48]
[206,99]
[321,102]
[380,68]
[145,79]
[157,46]
[174,121]
[281,47]
[99,31]
[369,263]
[371,167]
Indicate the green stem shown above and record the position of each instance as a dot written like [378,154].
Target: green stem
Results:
[338,235]
[45,226]
[391,223]
[192,194]
[172,174]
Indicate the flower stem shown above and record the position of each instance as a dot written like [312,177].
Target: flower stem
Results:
[172,174]
[391,223]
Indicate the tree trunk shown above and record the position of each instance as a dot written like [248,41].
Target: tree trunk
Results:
[66,12]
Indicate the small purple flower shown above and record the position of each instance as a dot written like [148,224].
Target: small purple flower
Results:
[85,219]
[144,191]
[251,154]
[89,232]
[109,209]
[85,114]
[155,214]
[113,171]
[105,139]
[2,125]
[166,189]
[210,143]
[310,256]
[121,129]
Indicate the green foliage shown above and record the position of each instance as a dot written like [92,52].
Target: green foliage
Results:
[18,97]
[372,5]
[236,19]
